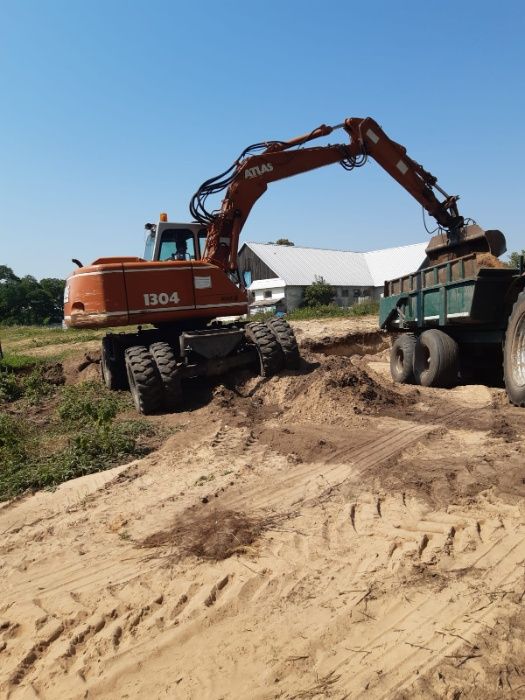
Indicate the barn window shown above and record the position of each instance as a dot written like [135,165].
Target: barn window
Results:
[267,293]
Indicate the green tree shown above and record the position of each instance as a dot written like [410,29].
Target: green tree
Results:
[281,241]
[514,258]
[54,288]
[319,293]
[27,301]
[7,275]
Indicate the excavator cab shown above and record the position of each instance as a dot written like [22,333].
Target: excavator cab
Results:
[166,241]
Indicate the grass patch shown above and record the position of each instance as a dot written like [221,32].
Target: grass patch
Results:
[365,308]
[83,435]
[33,385]
[16,361]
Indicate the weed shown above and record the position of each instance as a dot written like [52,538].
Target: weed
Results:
[261,316]
[33,387]
[36,387]
[10,389]
[88,403]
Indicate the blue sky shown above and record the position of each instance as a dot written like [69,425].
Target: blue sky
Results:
[114,111]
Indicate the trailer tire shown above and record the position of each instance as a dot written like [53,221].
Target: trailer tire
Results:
[145,383]
[436,359]
[285,336]
[112,366]
[402,359]
[166,362]
[271,358]
[514,353]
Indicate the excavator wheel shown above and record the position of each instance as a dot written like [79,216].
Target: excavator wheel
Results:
[113,371]
[144,379]
[286,339]
[271,356]
[166,362]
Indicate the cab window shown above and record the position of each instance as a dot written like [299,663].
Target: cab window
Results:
[203,234]
[177,244]
[149,247]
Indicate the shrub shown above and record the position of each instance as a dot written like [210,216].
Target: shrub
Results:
[319,293]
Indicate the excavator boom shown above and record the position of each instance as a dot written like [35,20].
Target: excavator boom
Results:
[250,175]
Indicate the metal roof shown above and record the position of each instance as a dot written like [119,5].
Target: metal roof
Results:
[299,266]
[272,283]
[389,263]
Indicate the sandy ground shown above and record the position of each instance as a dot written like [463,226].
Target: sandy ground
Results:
[372,540]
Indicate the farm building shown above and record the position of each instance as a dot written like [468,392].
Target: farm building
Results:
[278,274]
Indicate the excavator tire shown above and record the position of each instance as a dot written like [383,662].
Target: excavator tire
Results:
[113,371]
[144,379]
[402,359]
[166,362]
[286,339]
[271,356]
[436,359]
[514,353]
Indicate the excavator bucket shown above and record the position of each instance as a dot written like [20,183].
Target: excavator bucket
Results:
[471,239]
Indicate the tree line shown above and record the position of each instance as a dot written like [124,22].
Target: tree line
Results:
[27,301]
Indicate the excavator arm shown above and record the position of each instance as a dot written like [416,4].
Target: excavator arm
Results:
[249,176]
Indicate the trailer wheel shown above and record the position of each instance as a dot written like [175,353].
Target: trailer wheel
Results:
[112,366]
[271,358]
[166,362]
[145,383]
[436,359]
[514,353]
[286,339]
[402,359]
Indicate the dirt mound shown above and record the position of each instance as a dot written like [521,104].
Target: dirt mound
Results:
[367,392]
[334,390]
[54,374]
[81,369]
[217,534]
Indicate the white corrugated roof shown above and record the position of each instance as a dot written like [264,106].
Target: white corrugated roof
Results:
[267,284]
[298,266]
[389,263]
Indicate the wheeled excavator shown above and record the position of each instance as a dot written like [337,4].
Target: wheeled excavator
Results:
[188,276]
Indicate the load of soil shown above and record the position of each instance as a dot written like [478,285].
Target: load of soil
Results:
[216,534]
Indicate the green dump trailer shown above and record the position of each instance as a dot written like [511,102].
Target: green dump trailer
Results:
[458,320]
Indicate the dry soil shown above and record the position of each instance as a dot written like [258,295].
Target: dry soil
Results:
[323,534]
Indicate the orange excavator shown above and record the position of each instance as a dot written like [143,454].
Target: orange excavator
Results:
[188,276]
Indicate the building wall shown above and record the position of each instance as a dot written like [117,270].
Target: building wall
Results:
[274,293]
[293,296]
[248,261]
